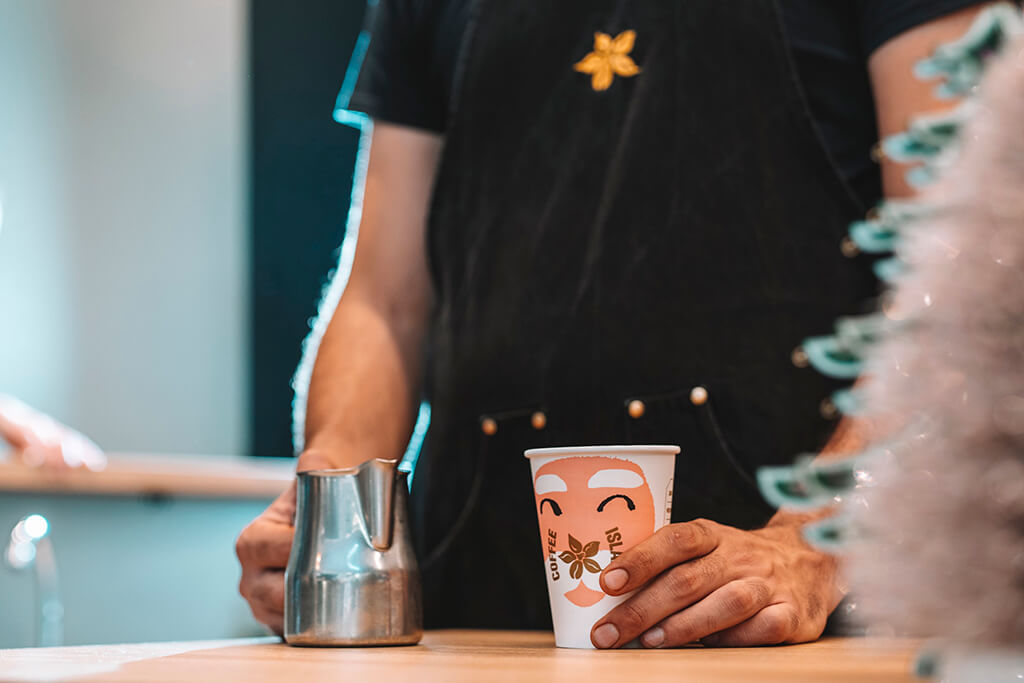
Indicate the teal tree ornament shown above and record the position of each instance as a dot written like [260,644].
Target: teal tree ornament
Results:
[934,539]
[932,141]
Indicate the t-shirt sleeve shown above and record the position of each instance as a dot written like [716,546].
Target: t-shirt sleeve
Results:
[396,81]
[882,20]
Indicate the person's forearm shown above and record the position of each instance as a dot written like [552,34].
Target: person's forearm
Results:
[365,384]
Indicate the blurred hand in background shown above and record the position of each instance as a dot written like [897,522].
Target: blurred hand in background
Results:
[38,440]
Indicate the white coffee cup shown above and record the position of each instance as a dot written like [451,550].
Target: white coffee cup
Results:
[593,503]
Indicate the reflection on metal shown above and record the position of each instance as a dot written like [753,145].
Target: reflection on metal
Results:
[30,547]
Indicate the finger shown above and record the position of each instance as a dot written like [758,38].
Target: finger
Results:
[732,604]
[282,511]
[264,590]
[18,423]
[272,619]
[774,624]
[44,456]
[676,589]
[70,452]
[80,451]
[264,544]
[33,456]
[13,432]
[669,546]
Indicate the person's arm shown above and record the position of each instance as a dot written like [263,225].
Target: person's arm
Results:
[728,587]
[365,383]
[367,372]
[899,97]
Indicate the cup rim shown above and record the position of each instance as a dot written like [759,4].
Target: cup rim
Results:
[595,450]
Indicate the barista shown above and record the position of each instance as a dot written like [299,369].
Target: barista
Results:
[609,222]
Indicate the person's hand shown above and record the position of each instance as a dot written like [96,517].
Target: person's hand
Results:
[722,586]
[263,549]
[40,441]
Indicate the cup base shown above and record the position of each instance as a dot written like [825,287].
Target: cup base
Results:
[575,643]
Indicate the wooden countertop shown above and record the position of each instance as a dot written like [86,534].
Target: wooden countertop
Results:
[128,474]
[492,656]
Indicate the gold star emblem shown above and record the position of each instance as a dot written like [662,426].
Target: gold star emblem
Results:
[610,58]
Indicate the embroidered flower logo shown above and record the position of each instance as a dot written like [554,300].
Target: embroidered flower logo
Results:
[610,58]
[578,557]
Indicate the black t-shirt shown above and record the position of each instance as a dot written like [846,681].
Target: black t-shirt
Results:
[408,73]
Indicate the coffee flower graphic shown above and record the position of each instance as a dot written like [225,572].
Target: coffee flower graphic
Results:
[578,557]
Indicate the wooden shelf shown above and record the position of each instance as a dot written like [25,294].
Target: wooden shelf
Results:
[159,475]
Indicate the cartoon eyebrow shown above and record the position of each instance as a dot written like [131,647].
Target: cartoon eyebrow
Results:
[629,502]
[554,506]
[615,479]
[549,483]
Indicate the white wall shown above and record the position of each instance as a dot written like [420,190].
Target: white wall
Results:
[124,245]
[35,358]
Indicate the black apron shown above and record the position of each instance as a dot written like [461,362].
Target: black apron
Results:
[595,249]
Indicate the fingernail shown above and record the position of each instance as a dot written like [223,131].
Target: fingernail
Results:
[605,636]
[616,579]
[653,638]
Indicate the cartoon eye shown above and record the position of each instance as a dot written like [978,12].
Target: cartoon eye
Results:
[629,501]
[554,506]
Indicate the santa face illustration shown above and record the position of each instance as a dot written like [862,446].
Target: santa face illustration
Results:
[591,509]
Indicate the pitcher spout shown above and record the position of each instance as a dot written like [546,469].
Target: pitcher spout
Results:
[375,481]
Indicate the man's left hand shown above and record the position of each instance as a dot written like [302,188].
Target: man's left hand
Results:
[720,585]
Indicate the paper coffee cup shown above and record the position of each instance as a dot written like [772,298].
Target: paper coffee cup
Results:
[594,503]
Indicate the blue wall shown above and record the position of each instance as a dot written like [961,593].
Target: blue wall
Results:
[133,570]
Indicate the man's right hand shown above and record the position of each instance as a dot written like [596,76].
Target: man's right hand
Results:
[263,549]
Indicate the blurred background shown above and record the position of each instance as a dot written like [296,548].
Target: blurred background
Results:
[173,193]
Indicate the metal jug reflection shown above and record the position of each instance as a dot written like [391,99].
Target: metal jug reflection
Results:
[352,577]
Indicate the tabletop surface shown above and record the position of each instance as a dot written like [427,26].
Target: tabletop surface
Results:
[463,655]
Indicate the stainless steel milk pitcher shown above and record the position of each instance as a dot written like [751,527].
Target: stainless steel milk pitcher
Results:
[352,577]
